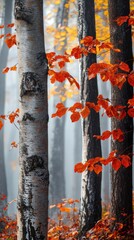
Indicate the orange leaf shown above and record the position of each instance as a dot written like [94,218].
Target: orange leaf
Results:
[118,135]
[1,124]
[60,112]
[97,168]
[116,164]
[76,52]
[10,25]
[61,64]
[10,41]
[131,21]
[131,112]
[13,68]
[87,41]
[125,160]
[121,20]
[65,209]
[75,116]
[131,79]
[76,105]
[79,167]
[1,26]
[1,36]
[85,112]
[131,102]
[14,144]
[106,135]
[5,70]
[123,66]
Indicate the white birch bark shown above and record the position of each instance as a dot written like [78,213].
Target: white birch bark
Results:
[33,146]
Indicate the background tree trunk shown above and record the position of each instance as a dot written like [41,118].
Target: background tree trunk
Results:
[33,145]
[91,182]
[3,57]
[57,178]
[121,199]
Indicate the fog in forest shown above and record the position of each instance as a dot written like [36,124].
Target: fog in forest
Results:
[65,144]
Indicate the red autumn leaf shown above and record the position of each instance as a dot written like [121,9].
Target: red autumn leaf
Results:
[76,52]
[1,26]
[10,25]
[131,79]
[60,112]
[130,112]
[118,135]
[131,21]
[123,66]
[125,160]
[10,41]
[121,20]
[13,68]
[116,164]
[131,102]
[5,70]
[106,135]
[13,115]
[75,116]
[107,45]
[97,168]
[79,167]
[85,112]
[14,144]
[76,105]
[1,36]
[65,209]
[1,124]
[3,117]
[61,64]
[3,197]
[87,41]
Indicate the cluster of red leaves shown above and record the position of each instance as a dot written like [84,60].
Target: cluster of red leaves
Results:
[66,225]
[12,116]
[10,228]
[67,221]
[78,110]
[122,19]
[88,46]
[95,164]
[111,72]
[117,134]
[7,69]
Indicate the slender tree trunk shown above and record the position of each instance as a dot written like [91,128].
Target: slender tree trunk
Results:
[3,56]
[33,146]
[91,182]
[58,144]
[121,200]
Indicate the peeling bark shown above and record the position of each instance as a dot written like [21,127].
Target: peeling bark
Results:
[33,145]
[91,182]
[121,201]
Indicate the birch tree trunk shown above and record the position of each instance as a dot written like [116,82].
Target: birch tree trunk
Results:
[121,199]
[33,146]
[91,182]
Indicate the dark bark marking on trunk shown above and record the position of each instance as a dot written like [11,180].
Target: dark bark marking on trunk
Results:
[24,149]
[32,163]
[23,13]
[28,116]
[30,84]
[41,57]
